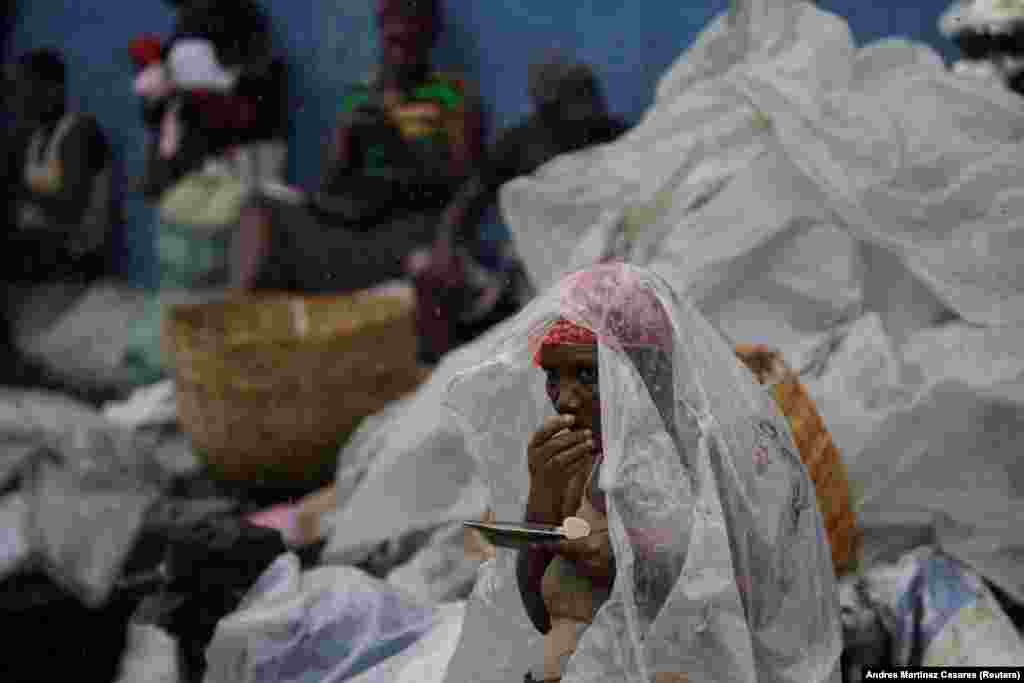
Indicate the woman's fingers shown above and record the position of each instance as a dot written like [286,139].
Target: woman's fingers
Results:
[550,427]
[565,460]
[563,442]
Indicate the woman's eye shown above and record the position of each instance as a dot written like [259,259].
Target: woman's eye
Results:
[588,376]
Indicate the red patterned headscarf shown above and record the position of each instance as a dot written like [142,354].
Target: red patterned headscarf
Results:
[565,332]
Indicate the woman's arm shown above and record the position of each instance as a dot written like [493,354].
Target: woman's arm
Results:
[592,556]
[533,562]
[530,567]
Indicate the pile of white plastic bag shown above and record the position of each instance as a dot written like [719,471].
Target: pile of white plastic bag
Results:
[855,207]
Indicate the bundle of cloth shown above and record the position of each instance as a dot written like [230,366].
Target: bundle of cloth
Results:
[785,181]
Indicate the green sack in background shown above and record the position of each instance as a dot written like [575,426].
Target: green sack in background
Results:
[198,219]
[205,201]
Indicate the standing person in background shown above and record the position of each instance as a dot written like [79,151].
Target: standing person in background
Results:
[464,284]
[406,140]
[214,89]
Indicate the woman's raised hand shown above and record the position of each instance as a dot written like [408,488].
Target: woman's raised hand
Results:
[558,458]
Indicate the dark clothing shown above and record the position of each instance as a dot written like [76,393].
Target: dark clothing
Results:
[210,558]
[520,151]
[307,254]
[43,223]
[33,255]
[238,29]
[255,111]
[54,633]
[388,178]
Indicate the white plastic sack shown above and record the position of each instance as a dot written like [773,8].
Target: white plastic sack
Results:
[764,129]
[150,656]
[440,572]
[88,342]
[938,607]
[403,471]
[150,405]
[87,485]
[426,661]
[947,470]
[327,624]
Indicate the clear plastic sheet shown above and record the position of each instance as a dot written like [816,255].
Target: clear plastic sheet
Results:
[723,570]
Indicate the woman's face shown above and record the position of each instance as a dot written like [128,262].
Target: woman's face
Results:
[572,382]
[405,39]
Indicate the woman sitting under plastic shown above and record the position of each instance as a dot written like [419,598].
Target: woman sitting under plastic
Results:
[706,558]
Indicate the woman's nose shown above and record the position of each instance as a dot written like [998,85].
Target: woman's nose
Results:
[568,397]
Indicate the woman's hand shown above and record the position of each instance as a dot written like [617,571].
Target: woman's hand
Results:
[558,458]
[592,555]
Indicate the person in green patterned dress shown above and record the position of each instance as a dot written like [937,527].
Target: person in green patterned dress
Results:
[405,142]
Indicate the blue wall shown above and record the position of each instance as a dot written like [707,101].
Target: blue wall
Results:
[330,43]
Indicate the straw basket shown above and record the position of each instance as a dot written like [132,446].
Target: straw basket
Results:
[817,450]
[268,388]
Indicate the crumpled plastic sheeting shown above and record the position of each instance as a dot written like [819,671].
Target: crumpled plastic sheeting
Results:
[947,470]
[930,433]
[940,613]
[147,406]
[404,471]
[328,625]
[151,656]
[88,342]
[762,131]
[440,572]
[92,340]
[426,661]
[87,484]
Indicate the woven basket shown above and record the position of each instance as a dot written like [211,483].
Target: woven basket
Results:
[817,450]
[268,388]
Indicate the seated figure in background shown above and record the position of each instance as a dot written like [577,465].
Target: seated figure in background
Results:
[465,283]
[58,162]
[59,207]
[405,142]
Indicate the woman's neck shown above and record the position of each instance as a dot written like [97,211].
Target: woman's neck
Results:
[405,78]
